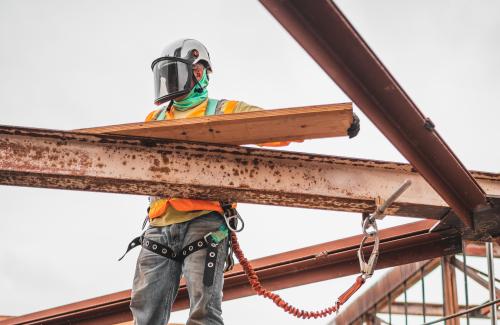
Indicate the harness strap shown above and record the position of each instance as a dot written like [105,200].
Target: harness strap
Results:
[210,260]
[210,241]
[211,105]
[137,241]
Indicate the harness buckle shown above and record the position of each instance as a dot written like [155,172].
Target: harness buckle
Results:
[205,238]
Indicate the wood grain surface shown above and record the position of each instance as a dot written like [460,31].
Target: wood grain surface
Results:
[299,123]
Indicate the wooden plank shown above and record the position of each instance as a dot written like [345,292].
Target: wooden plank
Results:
[299,123]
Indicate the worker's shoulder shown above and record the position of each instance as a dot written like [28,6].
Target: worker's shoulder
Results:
[151,115]
[154,113]
[238,106]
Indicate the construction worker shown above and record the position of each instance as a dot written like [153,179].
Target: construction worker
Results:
[181,78]
[185,236]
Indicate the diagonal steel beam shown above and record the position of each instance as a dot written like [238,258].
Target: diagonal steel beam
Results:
[327,35]
[474,275]
[107,163]
[431,309]
[399,245]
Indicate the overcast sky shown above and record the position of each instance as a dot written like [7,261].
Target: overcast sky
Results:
[74,64]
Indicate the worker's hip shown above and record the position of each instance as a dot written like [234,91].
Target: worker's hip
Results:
[180,234]
[191,248]
[200,236]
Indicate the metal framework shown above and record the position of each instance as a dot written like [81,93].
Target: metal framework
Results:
[380,299]
[466,203]
[399,245]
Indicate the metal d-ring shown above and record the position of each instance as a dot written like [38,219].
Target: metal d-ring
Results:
[368,223]
[238,218]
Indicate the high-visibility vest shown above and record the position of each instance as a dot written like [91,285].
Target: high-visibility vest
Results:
[158,207]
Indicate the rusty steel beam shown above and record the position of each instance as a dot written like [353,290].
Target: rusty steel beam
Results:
[415,308]
[391,283]
[111,163]
[450,298]
[477,249]
[431,309]
[399,245]
[327,35]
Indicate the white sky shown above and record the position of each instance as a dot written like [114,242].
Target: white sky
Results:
[74,64]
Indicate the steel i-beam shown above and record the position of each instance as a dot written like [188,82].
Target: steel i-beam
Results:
[105,163]
[327,35]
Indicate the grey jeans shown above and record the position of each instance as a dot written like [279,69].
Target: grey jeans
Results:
[156,279]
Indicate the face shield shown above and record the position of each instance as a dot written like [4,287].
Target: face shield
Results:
[172,78]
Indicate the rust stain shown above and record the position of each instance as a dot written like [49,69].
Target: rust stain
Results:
[164,170]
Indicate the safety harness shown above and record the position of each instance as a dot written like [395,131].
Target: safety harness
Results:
[210,242]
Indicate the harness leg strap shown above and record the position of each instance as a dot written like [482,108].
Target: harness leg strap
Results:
[134,243]
[210,263]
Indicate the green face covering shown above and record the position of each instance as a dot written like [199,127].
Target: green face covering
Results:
[194,97]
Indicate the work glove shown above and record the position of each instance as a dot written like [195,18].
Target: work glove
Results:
[353,130]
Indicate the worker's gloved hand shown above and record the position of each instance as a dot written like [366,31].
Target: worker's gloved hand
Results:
[353,130]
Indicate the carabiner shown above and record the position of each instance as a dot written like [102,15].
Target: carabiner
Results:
[367,268]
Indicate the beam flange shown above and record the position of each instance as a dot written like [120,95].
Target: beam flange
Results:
[144,166]
[399,245]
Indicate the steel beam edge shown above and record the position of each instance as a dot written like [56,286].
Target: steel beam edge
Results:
[399,245]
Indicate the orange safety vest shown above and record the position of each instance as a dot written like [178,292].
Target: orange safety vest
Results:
[158,207]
